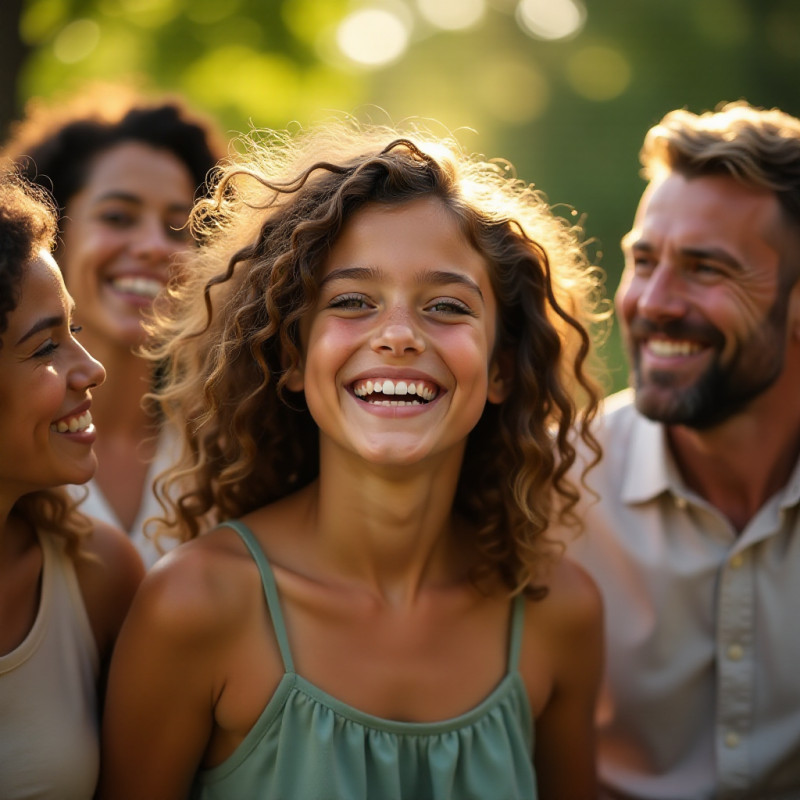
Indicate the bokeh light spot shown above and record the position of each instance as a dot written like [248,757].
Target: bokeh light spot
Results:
[149,13]
[598,73]
[726,22]
[512,90]
[452,15]
[76,41]
[372,37]
[551,19]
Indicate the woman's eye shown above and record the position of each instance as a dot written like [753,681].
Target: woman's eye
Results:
[349,301]
[75,329]
[117,219]
[46,350]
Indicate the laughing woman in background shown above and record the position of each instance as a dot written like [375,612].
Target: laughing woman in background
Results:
[65,582]
[124,171]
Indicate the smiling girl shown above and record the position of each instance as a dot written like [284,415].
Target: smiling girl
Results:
[65,583]
[374,360]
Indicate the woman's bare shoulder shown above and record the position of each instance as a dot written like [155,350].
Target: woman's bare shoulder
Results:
[572,605]
[109,572]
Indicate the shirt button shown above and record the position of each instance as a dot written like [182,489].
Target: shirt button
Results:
[735,652]
[736,561]
[731,740]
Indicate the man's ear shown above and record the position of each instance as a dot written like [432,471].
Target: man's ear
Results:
[501,372]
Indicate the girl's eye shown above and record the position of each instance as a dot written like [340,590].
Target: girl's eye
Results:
[355,302]
[450,305]
[75,329]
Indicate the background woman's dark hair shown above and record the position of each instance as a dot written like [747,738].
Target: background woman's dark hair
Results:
[55,143]
[27,226]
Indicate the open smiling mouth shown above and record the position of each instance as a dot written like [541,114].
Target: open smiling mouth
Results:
[147,288]
[387,392]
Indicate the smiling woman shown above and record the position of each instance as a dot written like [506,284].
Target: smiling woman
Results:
[124,169]
[65,582]
[375,359]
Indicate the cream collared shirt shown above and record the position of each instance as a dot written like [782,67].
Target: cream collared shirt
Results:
[702,694]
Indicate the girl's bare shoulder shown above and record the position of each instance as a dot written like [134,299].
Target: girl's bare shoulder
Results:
[200,588]
[572,606]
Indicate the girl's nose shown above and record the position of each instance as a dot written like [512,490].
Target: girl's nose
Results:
[399,335]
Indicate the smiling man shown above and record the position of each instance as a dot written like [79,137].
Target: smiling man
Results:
[695,538]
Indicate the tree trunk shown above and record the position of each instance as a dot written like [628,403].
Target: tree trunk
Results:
[12,56]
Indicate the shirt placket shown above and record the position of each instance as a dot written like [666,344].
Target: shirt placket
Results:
[735,674]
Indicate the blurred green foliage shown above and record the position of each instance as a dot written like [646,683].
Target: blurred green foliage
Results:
[568,114]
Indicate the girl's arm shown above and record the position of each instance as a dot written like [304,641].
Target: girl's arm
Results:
[164,680]
[565,734]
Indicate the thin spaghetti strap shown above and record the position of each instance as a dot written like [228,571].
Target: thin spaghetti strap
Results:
[270,589]
[515,638]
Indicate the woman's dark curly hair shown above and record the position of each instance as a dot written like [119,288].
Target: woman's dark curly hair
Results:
[28,226]
[55,143]
[230,332]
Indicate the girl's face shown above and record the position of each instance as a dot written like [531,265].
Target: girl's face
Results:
[121,232]
[45,424]
[398,354]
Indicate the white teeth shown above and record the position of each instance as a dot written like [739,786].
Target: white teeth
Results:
[81,423]
[388,387]
[396,402]
[669,347]
[138,285]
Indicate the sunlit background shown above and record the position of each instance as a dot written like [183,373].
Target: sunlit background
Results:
[564,89]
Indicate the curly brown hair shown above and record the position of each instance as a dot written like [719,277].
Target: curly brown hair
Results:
[28,225]
[230,330]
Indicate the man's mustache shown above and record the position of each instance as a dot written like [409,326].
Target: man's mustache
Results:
[702,333]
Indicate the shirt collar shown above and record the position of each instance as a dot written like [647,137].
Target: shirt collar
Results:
[651,469]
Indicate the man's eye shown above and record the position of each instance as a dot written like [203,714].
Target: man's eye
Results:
[705,269]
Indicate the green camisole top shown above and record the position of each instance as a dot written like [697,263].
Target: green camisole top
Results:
[307,745]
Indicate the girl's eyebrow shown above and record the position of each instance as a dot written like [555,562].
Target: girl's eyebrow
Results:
[434,277]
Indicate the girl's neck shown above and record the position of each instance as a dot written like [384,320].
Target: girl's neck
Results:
[392,530]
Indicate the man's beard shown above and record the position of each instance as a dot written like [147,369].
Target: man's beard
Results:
[723,390]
